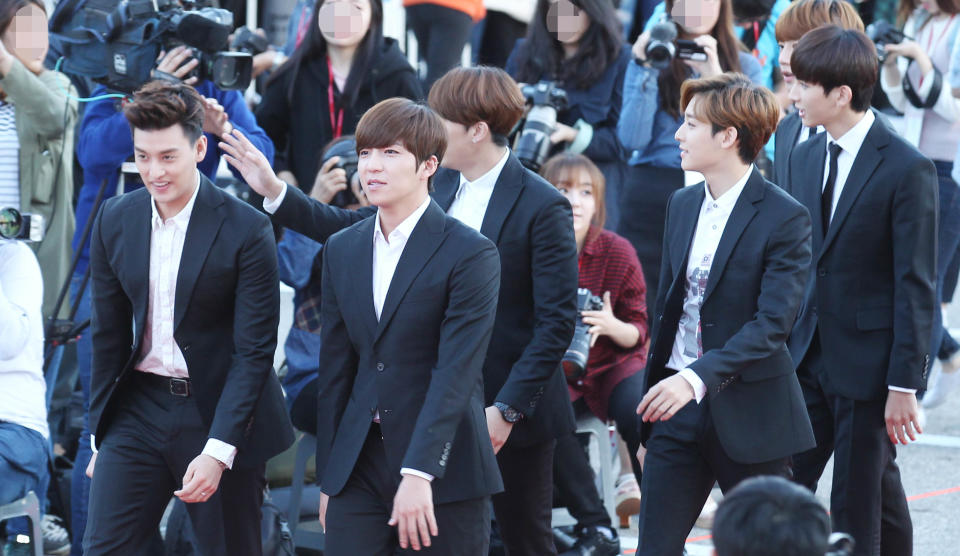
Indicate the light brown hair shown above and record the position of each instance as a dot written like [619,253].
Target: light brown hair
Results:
[732,100]
[401,120]
[562,169]
[479,94]
[162,104]
[804,16]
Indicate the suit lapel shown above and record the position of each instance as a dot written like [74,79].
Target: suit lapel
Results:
[689,211]
[743,212]
[424,241]
[505,193]
[136,254]
[809,160]
[363,281]
[205,222]
[790,130]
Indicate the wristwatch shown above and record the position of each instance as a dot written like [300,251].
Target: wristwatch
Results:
[510,414]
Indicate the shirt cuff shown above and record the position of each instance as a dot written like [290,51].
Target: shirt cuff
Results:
[220,451]
[699,388]
[93,444]
[272,206]
[904,390]
[415,473]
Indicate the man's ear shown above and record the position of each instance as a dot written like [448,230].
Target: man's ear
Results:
[200,147]
[479,131]
[844,95]
[729,138]
[430,166]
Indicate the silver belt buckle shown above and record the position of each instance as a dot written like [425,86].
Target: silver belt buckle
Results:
[180,387]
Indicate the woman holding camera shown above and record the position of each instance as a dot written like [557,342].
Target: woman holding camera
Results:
[914,77]
[651,97]
[578,47]
[335,75]
[611,385]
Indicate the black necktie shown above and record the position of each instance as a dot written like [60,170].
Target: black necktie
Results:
[812,132]
[826,198]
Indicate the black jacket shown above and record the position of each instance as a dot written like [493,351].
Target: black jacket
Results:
[421,364]
[532,225]
[301,129]
[872,287]
[753,292]
[225,316]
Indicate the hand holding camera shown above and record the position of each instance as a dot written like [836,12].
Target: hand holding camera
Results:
[179,62]
[708,67]
[331,179]
[908,49]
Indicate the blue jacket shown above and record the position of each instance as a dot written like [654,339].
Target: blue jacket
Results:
[296,254]
[105,142]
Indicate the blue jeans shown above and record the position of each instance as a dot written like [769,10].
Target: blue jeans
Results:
[24,457]
[80,483]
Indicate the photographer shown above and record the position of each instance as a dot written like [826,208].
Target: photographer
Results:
[611,385]
[24,444]
[104,145]
[578,47]
[912,77]
[36,138]
[331,79]
[652,98]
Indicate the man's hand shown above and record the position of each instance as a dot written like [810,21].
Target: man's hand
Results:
[324,500]
[178,63]
[215,120]
[902,417]
[90,465]
[665,399]
[329,181]
[641,456]
[201,479]
[252,165]
[498,427]
[413,513]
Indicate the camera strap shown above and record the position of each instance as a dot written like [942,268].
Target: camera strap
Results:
[912,95]
[336,116]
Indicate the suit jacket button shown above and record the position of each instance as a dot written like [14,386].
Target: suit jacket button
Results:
[821,272]
[443,463]
[380,366]
[186,348]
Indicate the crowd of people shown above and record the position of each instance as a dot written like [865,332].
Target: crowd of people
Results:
[729,229]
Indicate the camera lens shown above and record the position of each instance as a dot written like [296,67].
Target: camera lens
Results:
[10,223]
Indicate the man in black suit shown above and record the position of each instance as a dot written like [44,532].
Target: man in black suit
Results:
[862,338]
[185,308]
[486,187]
[721,401]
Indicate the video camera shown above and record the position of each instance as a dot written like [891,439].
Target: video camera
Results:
[664,46]
[532,144]
[23,227]
[117,43]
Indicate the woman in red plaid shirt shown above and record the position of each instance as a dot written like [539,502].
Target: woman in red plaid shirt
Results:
[612,386]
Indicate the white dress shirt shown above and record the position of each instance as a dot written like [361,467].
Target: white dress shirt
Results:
[387,251]
[470,203]
[806,133]
[688,345]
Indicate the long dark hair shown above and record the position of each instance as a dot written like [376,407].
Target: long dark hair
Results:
[542,54]
[314,47]
[728,53]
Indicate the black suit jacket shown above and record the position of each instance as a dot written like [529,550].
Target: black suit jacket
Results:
[872,287]
[532,225]
[421,364]
[753,292]
[225,316]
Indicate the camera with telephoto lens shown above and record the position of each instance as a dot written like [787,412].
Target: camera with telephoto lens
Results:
[664,46]
[346,149]
[882,34]
[532,144]
[117,43]
[575,359]
[23,227]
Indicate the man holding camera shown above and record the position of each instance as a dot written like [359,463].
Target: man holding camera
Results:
[721,401]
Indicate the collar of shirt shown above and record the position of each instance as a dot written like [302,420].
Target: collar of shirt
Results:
[405,228]
[182,218]
[726,201]
[853,139]
[486,181]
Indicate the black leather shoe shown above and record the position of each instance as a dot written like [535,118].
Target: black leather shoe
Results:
[596,541]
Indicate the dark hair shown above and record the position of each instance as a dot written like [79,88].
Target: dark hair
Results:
[161,104]
[479,94]
[770,516]
[804,16]
[541,56]
[732,100]
[314,47]
[559,171]
[907,7]
[400,120]
[9,9]
[728,54]
[831,57]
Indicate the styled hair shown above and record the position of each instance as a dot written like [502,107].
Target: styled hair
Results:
[401,120]
[732,100]
[831,57]
[728,54]
[314,47]
[804,16]
[541,56]
[561,169]
[770,516]
[9,9]
[479,94]
[907,7]
[161,104]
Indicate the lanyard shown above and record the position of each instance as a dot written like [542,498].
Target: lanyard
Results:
[336,116]
[756,42]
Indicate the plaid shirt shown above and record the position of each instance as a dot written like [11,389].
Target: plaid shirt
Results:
[609,263]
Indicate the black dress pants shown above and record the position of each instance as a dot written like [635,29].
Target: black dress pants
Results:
[524,509]
[500,34]
[441,35]
[684,459]
[867,500]
[151,440]
[357,516]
